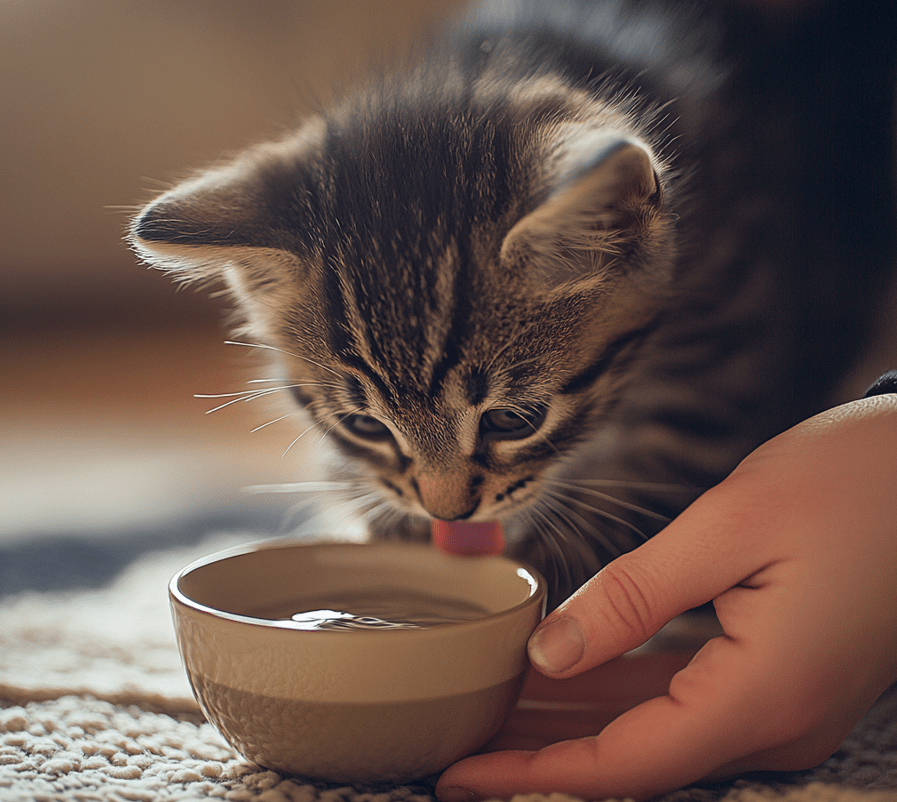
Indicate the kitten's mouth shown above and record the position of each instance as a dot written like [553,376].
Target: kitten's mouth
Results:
[470,539]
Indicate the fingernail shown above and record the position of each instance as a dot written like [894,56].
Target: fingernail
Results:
[557,646]
[455,794]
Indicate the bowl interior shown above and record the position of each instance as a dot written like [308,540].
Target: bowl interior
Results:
[272,580]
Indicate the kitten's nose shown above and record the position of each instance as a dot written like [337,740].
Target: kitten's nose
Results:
[464,516]
[445,499]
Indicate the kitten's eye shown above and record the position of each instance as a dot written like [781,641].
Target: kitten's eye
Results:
[367,427]
[512,424]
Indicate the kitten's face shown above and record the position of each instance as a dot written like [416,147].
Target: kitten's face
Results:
[458,300]
[455,410]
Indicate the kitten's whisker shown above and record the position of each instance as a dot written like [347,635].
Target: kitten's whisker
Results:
[338,421]
[607,497]
[557,503]
[238,395]
[524,413]
[265,347]
[227,404]
[332,426]
[289,386]
[543,542]
[370,500]
[385,514]
[302,434]
[302,487]
[545,438]
[361,505]
[276,420]
[556,540]
[550,506]
[289,522]
[314,425]
[535,512]
[577,550]
[252,395]
[598,511]
[337,488]
[356,503]
[638,485]
[355,494]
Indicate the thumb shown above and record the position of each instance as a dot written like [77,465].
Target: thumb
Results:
[692,561]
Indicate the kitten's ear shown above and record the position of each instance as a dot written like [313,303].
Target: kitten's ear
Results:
[240,223]
[604,198]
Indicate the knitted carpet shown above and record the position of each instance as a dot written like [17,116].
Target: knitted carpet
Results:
[94,706]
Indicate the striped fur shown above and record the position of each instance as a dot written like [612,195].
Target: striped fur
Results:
[569,269]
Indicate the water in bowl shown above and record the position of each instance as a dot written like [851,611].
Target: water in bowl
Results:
[374,609]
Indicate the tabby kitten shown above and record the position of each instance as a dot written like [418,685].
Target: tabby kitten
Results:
[571,267]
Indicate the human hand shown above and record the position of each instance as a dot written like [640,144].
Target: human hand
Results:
[797,549]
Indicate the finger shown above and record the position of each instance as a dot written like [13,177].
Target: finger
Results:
[695,559]
[552,710]
[597,767]
[668,742]
[627,681]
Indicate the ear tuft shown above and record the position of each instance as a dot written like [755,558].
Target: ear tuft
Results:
[244,225]
[218,217]
[195,229]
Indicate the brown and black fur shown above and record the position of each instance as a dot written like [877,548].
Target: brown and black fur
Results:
[581,250]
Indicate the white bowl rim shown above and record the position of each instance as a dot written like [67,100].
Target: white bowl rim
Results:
[538,591]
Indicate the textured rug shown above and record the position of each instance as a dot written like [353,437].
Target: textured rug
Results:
[94,706]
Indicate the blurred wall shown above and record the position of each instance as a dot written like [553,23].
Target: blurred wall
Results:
[104,101]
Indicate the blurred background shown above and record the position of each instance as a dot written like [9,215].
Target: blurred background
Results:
[103,448]
[104,451]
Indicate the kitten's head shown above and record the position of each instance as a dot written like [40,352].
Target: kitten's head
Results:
[461,279]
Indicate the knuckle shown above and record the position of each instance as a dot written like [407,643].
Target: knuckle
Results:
[630,603]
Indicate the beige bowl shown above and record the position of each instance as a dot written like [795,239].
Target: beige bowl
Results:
[352,706]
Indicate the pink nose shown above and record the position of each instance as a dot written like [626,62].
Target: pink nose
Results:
[446,497]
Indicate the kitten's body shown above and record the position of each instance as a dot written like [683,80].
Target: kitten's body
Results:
[580,242]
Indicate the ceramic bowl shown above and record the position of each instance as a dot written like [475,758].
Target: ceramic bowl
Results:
[358,706]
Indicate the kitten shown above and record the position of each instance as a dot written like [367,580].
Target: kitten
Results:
[570,268]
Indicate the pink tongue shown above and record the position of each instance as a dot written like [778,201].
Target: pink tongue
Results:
[460,537]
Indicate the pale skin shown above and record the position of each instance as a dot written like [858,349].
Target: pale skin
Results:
[797,550]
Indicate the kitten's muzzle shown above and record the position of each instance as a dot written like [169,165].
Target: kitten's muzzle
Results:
[445,499]
[464,516]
